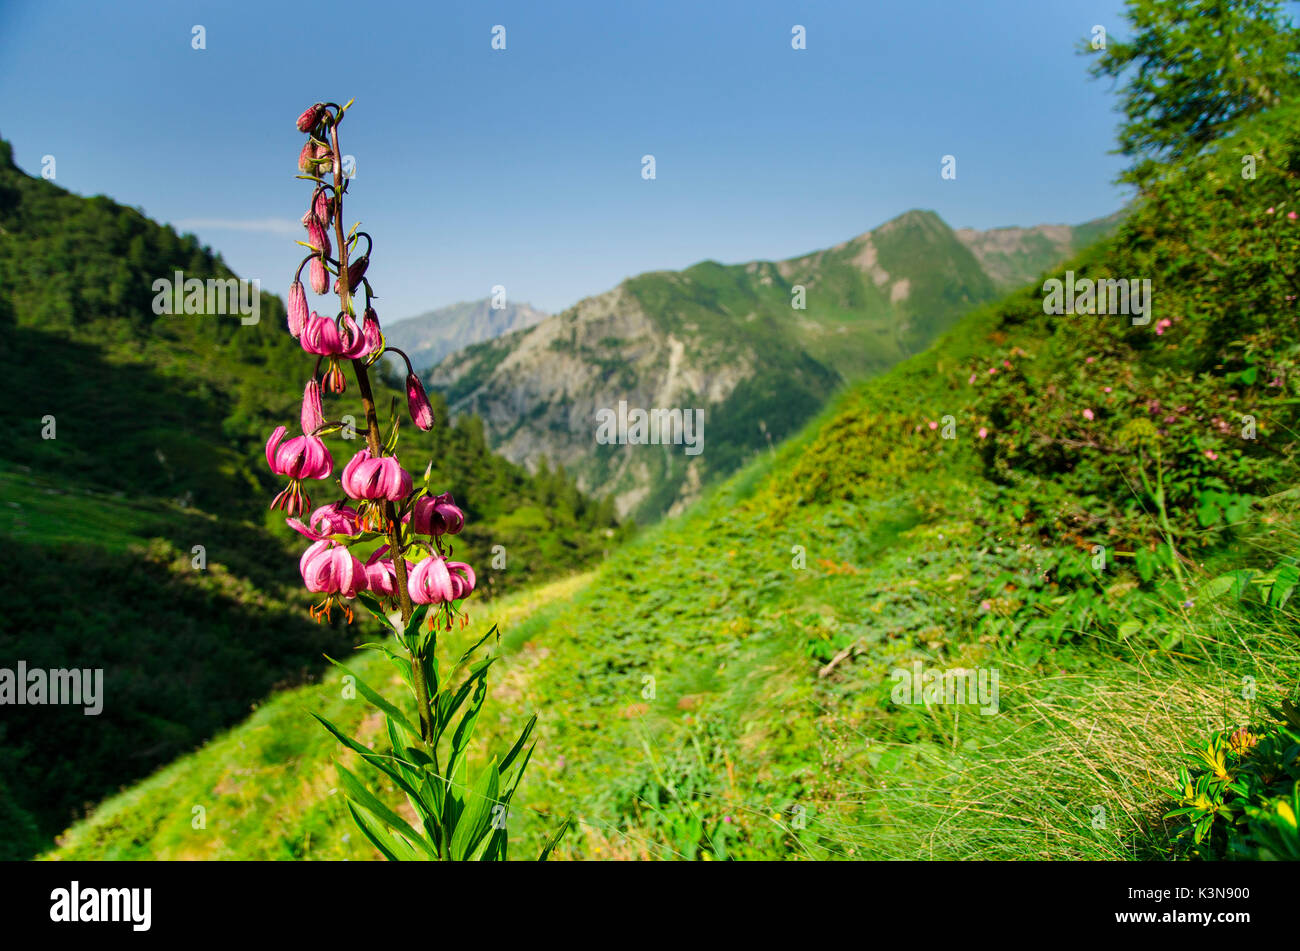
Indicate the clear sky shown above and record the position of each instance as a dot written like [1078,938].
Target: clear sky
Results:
[522,167]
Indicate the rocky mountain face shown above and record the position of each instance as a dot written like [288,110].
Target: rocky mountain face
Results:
[758,347]
[434,334]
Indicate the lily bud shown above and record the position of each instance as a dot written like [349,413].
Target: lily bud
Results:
[320,281]
[323,207]
[313,415]
[309,119]
[316,236]
[370,330]
[297,308]
[356,271]
[417,400]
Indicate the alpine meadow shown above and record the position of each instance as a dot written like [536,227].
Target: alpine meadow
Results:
[959,539]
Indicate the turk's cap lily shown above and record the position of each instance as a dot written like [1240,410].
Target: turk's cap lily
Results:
[321,335]
[381,573]
[437,515]
[335,518]
[368,477]
[302,457]
[436,580]
[330,568]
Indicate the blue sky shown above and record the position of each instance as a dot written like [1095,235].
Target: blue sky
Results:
[522,167]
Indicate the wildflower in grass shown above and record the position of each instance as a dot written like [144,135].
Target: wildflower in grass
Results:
[1088,414]
[1242,740]
[399,592]
[1291,215]
[983,433]
[1211,455]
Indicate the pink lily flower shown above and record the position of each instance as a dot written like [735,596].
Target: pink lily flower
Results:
[436,580]
[335,518]
[332,570]
[299,458]
[368,478]
[322,336]
[437,515]
[381,573]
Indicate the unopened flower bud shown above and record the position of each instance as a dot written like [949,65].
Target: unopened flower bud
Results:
[417,400]
[308,120]
[316,236]
[356,271]
[370,330]
[320,281]
[323,207]
[297,308]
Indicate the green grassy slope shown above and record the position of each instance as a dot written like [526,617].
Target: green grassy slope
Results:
[722,687]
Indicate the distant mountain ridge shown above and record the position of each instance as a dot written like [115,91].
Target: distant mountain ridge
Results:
[733,339]
[430,336]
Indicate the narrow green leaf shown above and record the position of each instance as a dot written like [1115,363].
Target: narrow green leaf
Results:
[475,819]
[359,794]
[378,700]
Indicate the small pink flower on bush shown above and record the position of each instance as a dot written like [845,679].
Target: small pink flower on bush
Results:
[984,433]
[1088,414]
